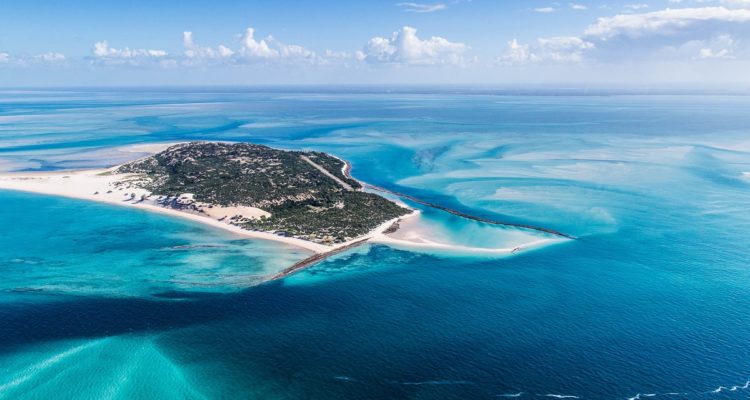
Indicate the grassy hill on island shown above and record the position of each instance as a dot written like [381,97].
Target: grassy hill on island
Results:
[306,193]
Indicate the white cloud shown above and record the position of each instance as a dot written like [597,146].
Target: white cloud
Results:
[719,47]
[338,55]
[194,51]
[249,50]
[516,53]
[50,58]
[545,9]
[664,22]
[422,7]
[105,54]
[252,48]
[102,49]
[682,34]
[558,49]
[404,47]
[271,49]
[578,7]
[710,54]
[288,51]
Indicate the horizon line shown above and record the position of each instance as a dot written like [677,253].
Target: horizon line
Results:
[667,89]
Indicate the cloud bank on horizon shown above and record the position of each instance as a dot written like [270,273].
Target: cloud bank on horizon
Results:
[703,42]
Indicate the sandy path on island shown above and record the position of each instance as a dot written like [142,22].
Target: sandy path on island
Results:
[327,173]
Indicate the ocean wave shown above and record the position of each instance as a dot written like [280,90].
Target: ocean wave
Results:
[519,394]
[733,388]
[638,396]
[561,396]
[718,390]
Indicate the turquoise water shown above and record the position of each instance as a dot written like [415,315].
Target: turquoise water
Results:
[104,302]
[85,248]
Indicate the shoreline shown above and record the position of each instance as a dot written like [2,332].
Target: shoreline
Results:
[73,184]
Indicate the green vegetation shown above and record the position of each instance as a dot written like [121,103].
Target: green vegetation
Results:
[303,202]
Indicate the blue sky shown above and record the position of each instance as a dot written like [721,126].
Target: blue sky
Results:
[699,43]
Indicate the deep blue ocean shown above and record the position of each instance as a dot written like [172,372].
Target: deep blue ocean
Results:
[651,301]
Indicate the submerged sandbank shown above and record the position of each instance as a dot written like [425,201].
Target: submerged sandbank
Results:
[414,234]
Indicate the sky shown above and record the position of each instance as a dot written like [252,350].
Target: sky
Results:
[653,43]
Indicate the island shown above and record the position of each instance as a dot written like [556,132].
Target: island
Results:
[307,199]
[304,195]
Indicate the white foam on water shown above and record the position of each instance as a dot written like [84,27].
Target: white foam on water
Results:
[446,382]
[561,396]
[745,386]
[718,389]
[519,394]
